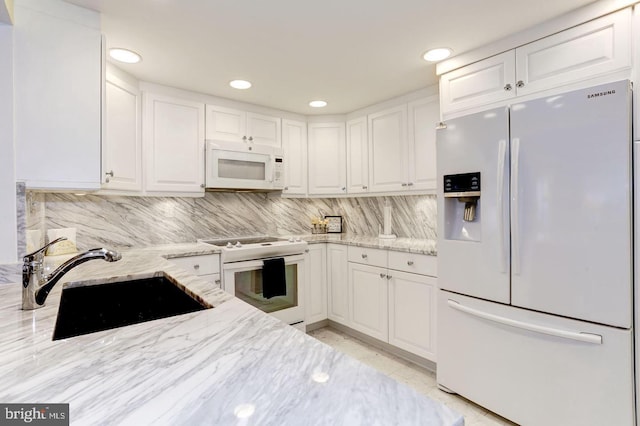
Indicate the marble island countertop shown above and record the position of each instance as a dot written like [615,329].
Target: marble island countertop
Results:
[228,365]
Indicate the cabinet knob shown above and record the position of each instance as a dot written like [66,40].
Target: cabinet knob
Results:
[405,184]
[244,138]
[364,186]
[286,188]
[389,277]
[196,266]
[250,138]
[410,184]
[382,275]
[217,282]
[344,188]
[108,175]
[410,262]
[202,185]
[520,83]
[364,255]
[306,250]
[508,87]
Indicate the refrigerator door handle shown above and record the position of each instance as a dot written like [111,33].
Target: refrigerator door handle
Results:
[595,339]
[502,154]
[515,235]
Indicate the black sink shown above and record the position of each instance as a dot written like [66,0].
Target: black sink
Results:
[90,308]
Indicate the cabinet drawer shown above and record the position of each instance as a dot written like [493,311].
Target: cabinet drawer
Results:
[367,256]
[413,262]
[199,265]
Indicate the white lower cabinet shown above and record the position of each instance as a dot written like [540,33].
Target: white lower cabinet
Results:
[315,306]
[368,295]
[392,297]
[206,266]
[412,313]
[337,289]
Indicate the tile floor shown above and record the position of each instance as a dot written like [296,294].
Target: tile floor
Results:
[420,379]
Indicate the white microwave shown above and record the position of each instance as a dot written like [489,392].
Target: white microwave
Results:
[238,165]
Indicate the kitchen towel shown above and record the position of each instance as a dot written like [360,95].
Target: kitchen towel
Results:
[274,281]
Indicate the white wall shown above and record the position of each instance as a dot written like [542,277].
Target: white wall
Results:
[8,232]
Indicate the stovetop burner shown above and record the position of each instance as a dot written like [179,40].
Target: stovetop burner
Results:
[256,247]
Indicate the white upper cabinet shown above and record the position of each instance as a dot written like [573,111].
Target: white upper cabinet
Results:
[590,50]
[424,116]
[294,146]
[327,159]
[173,142]
[388,150]
[121,145]
[357,156]
[597,47]
[234,125]
[58,82]
[483,82]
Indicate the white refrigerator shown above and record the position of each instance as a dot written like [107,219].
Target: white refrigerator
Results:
[535,249]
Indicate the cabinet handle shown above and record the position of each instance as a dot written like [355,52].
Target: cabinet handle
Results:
[508,87]
[364,186]
[410,262]
[343,188]
[410,184]
[404,184]
[108,175]
[364,256]
[196,266]
[389,277]
[520,83]
[382,275]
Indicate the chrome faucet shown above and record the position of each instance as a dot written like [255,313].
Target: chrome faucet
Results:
[36,286]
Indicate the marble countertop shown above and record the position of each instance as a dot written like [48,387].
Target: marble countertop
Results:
[228,365]
[412,245]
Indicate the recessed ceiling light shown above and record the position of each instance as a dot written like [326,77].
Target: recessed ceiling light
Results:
[240,84]
[435,55]
[318,104]
[125,55]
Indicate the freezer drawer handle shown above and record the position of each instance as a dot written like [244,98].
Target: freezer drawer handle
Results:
[595,339]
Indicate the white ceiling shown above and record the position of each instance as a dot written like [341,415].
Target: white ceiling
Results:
[351,53]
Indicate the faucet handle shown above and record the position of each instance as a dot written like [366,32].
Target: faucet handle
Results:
[39,254]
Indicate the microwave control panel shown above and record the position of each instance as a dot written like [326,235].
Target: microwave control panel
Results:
[278,172]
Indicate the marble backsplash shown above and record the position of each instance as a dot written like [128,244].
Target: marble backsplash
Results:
[121,222]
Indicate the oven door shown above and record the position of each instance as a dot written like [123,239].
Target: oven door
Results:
[244,280]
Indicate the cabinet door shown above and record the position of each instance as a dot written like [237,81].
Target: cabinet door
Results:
[294,145]
[58,83]
[327,159]
[597,47]
[388,154]
[263,129]
[226,124]
[122,146]
[173,136]
[481,83]
[412,313]
[337,288]
[357,156]
[316,291]
[423,118]
[368,296]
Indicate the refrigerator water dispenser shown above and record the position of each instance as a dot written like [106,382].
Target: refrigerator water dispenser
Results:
[462,206]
